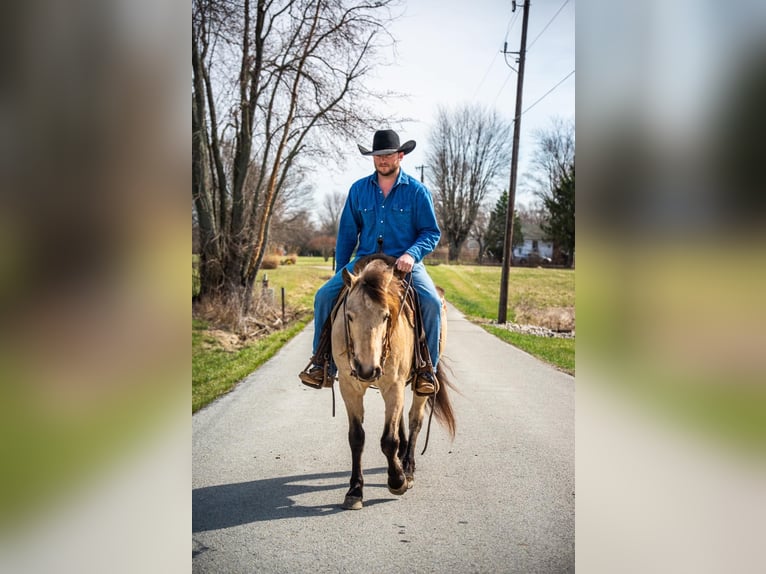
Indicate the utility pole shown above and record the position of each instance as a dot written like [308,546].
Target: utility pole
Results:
[421,168]
[502,308]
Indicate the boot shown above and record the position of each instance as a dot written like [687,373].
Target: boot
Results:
[426,383]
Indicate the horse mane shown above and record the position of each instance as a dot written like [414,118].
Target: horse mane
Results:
[373,281]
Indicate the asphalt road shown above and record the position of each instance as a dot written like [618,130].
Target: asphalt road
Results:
[271,467]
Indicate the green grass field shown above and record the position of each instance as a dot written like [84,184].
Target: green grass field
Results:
[472,289]
[475,290]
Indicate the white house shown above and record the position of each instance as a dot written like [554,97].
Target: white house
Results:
[533,242]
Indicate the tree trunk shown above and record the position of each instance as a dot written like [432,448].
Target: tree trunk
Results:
[454,251]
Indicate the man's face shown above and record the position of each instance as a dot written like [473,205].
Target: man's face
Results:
[387,164]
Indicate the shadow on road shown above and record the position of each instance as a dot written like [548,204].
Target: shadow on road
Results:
[227,505]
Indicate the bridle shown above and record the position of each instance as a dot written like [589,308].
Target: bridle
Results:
[391,322]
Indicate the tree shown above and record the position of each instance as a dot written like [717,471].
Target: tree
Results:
[323,245]
[270,79]
[479,232]
[553,180]
[560,226]
[329,215]
[553,156]
[495,236]
[470,150]
[291,224]
[292,230]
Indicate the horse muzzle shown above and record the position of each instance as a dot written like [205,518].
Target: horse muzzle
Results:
[366,374]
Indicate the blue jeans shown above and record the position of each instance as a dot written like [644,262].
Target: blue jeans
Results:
[430,306]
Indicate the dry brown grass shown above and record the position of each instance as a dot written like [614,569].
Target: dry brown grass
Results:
[553,318]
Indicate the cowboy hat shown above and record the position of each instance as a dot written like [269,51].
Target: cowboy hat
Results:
[385,142]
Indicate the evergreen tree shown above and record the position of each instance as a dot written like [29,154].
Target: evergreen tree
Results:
[560,204]
[495,236]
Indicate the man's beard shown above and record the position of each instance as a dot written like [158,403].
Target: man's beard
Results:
[388,171]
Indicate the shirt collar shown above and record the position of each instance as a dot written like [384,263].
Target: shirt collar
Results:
[402,178]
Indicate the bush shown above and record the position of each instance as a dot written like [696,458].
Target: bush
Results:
[270,262]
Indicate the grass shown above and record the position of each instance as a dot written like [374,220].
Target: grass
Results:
[475,290]
[558,352]
[472,289]
[215,371]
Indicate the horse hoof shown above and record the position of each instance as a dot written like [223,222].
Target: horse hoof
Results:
[352,503]
[399,491]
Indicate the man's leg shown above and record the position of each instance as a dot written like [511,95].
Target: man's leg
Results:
[430,308]
[323,303]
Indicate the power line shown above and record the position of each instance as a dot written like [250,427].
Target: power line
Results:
[511,23]
[500,91]
[485,76]
[548,92]
[532,43]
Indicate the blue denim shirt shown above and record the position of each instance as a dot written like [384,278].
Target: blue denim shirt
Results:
[405,220]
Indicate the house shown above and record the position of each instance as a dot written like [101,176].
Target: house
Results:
[534,242]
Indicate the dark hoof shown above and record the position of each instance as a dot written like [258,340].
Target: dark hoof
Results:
[352,503]
[398,491]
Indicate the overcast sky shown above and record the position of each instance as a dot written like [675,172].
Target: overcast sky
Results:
[449,54]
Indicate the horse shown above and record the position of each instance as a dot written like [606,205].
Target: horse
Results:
[373,343]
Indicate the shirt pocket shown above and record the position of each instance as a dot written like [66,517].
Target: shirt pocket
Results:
[368,215]
[402,211]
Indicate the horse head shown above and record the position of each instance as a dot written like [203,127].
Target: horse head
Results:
[370,304]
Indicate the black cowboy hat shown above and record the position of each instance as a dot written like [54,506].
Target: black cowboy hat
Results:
[385,142]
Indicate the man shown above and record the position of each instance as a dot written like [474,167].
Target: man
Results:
[388,211]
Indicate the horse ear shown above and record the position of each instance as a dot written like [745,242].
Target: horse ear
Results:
[348,278]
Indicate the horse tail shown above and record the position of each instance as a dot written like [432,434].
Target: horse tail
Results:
[441,405]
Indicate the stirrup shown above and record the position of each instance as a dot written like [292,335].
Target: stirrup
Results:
[310,375]
[434,382]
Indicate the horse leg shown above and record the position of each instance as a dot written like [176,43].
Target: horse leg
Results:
[389,442]
[417,411]
[355,410]
[402,437]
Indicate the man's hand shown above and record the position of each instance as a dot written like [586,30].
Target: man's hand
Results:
[405,263]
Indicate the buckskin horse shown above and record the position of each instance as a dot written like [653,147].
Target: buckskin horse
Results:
[373,343]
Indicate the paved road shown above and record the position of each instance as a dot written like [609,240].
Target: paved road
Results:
[271,467]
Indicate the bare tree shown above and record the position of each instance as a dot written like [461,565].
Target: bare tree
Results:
[329,215]
[479,232]
[293,230]
[270,80]
[470,150]
[533,214]
[552,159]
[291,225]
